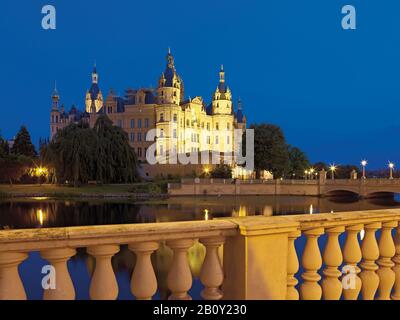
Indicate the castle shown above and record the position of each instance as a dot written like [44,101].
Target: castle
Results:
[184,125]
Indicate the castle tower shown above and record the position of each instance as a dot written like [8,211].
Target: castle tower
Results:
[54,113]
[94,97]
[170,86]
[222,98]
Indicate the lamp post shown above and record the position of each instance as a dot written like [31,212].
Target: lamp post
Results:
[312,173]
[391,167]
[363,164]
[332,168]
[305,174]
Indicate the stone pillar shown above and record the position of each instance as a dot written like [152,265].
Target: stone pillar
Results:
[11,287]
[256,260]
[180,277]
[212,274]
[104,285]
[144,281]
[64,287]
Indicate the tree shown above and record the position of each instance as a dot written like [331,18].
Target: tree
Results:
[4,149]
[270,150]
[221,171]
[23,144]
[79,154]
[343,171]
[117,161]
[298,162]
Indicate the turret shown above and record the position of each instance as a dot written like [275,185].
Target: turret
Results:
[222,98]
[94,97]
[54,113]
[170,85]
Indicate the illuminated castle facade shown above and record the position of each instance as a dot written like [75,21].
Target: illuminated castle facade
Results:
[185,125]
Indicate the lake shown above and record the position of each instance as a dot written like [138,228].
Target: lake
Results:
[45,212]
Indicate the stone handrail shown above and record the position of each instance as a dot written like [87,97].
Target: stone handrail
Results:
[260,260]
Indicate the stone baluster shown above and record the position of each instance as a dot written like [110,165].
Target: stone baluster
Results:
[211,274]
[104,285]
[387,250]
[11,287]
[311,262]
[64,288]
[292,267]
[396,268]
[351,282]
[331,285]
[144,281]
[179,278]
[370,253]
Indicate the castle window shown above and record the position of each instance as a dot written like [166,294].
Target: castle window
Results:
[217,126]
[208,140]
[139,137]
[162,133]
[228,126]
[161,150]
[208,126]
[202,125]
[110,109]
[175,135]
[161,117]
[132,123]
[187,123]
[119,123]
[175,117]
[139,152]
[139,123]
[227,140]
[216,140]
[146,123]
[132,137]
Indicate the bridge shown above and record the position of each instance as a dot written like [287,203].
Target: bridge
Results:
[365,188]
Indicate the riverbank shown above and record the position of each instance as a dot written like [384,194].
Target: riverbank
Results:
[139,191]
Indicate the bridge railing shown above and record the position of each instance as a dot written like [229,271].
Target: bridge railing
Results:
[357,257]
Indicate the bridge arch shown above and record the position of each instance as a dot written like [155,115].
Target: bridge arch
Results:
[341,192]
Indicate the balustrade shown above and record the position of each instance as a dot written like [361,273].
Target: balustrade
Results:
[260,257]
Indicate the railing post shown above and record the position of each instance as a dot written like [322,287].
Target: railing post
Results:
[370,253]
[180,277]
[311,262]
[352,256]
[144,281]
[292,268]
[104,284]
[64,287]
[333,258]
[396,268]
[387,251]
[211,274]
[11,287]
[256,259]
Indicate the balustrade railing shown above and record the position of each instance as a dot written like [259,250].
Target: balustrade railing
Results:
[353,255]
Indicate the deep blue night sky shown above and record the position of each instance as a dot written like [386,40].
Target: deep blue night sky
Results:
[334,92]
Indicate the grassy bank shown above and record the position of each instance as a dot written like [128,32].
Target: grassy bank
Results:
[149,189]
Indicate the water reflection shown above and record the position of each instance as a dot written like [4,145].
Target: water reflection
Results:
[33,213]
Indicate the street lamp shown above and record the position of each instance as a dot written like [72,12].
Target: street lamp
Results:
[332,168]
[312,170]
[391,167]
[305,174]
[364,164]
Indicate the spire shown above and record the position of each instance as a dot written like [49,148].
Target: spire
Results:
[170,60]
[95,76]
[240,104]
[222,74]
[55,92]
[169,50]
